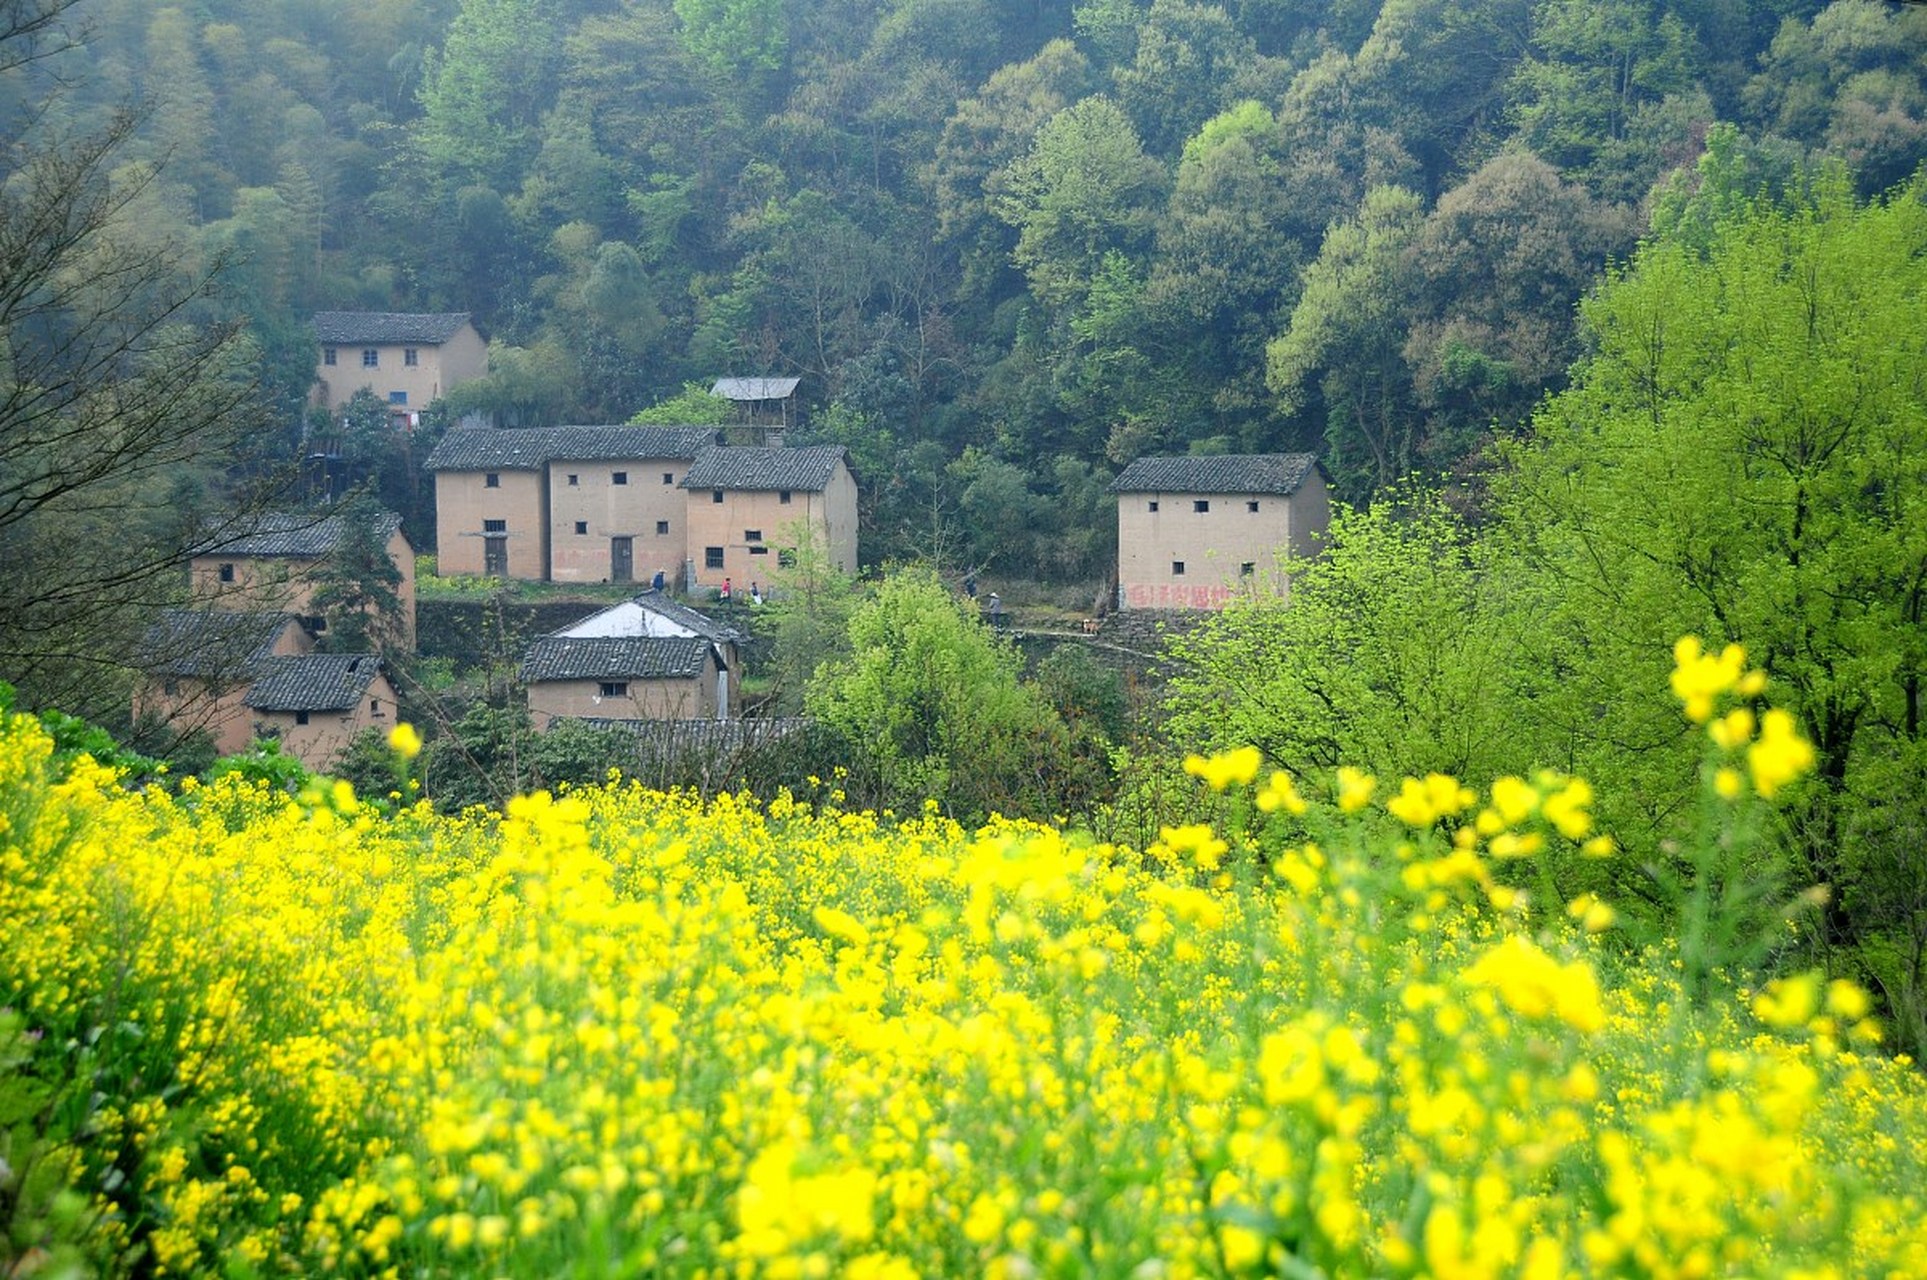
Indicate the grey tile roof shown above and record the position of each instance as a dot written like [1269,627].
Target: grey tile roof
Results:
[754,388]
[701,623]
[387,327]
[210,644]
[531,448]
[284,533]
[1280,473]
[313,682]
[808,469]
[626,658]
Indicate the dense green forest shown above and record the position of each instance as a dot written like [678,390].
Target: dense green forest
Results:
[1007,246]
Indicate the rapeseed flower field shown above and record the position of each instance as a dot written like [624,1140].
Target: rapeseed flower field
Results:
[1348,1031]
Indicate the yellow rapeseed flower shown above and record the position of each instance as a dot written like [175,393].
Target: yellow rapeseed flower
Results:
[1220,771]
[405,741]
[1780,756]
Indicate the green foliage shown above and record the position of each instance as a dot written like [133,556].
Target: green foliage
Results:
[265,763]
[807,617]
[693,406]
[928,704]
[355,587]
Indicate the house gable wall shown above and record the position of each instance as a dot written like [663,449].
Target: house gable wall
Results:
[609,510]
[829,515]
[464,504]
[690,698]
[1213,545]
[318,743]
[437,368]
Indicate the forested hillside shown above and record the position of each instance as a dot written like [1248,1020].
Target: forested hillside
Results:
[1006,245]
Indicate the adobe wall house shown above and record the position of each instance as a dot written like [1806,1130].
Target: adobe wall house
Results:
[409,360]
[563,504]
[1192,532]
[199,665]
[642,646]
[744,503]
[271,563]
[623,678]
[316,702]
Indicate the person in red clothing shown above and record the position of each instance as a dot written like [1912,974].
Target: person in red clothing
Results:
[724,597]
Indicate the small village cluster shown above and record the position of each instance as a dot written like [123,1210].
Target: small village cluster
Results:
[686,513]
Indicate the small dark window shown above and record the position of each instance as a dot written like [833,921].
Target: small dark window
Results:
[615,688]
[752,535]
[328,356]
[669,477]
[1177,568]
[716,495]
[1201,504]
[712,557]
[582,526]
[170,687]
[1252,506]
[574,480]
[409,358]
[786,558]
[759,550]
[495,526]
[1153,504]
[301,717]
[662,526]
[370,358]
[1248,568]
[620,477]
[227,573]
[492,480]
[374,706]
[397,397]
[783,496]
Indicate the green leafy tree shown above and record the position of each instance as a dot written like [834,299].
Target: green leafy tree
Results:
[1389,656]
[1344,349]
[1085,188]
[1742,458]
[928,705]
[807,615]
[693,406]
[356,586]
[118,405]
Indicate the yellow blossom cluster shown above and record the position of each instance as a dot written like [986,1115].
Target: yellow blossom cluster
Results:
[630,1033]
[1771,744]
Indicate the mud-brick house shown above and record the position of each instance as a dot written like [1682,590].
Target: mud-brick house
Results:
[747,506]
[647,658]
[199,664]
[409,360]
[316,702]
[1192,532]
[564,504]
[274,563]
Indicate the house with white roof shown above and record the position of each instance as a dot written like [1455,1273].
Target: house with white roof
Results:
[647,658]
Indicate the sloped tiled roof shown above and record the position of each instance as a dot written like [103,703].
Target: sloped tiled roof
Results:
[624,658]
[531,448]
[808,469]
[286,533]
[388,327]
[210,644]
[754,388]
[1280,473]
[313,682]
[613,619]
